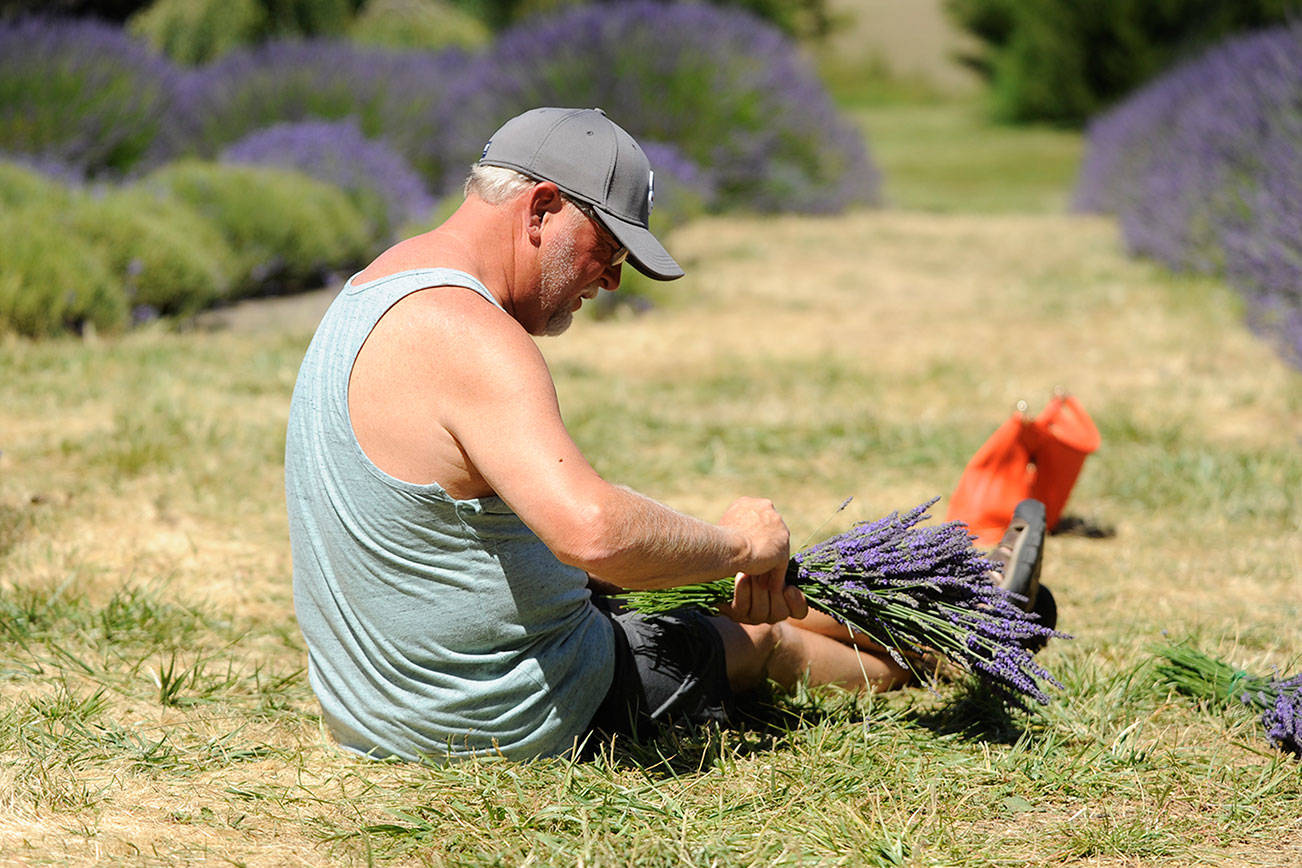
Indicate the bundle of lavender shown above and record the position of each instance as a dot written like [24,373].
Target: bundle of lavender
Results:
[914,591]
[1202,676]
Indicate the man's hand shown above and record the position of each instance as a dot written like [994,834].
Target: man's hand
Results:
[765,599]
[761,594]
[768,543]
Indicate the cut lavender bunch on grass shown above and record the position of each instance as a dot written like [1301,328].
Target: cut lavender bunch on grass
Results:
[1283,719]
[1279,700]
[915,590]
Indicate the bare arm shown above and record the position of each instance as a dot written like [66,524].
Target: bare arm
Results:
[495,396]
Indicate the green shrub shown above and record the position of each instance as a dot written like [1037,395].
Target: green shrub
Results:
[164,254]
[417,25]
[1064,60]
[20,185]
[51,280]
[308,17]
[799,18]
[286,230]
[196,31]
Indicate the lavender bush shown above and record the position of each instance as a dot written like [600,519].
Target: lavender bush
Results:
[911,589]
[395,96]
[80,92]
[726,89]
[728,113]
[1204,169]
[1278,700]
[378,179]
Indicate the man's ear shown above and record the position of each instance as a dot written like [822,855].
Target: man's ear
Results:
[544,198]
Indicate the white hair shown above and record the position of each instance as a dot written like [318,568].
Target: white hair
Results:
[495,184]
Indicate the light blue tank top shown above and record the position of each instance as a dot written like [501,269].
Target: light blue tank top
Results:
[435,627]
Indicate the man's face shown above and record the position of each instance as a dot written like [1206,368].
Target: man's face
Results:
[572,268]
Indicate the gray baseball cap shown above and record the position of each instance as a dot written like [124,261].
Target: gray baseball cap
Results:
[590,158]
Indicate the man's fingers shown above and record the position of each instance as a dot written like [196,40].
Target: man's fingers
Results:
[760,599]
[755,600]
[741,596]
[796,603]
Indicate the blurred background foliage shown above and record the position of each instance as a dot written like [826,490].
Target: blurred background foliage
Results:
[306,135]
[1062,61]
[372,110]
[193,31]
[1203,168]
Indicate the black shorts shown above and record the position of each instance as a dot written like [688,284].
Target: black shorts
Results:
[669,668]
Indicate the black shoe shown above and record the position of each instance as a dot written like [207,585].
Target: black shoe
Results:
[1047,610]
[1021,550]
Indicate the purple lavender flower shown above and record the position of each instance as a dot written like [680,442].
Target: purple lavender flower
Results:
[1282,714]
[337,152]
[396,96]
[929,587]
[1204,169]
[728,90]
[1283,722]
[912,589]
[81,93]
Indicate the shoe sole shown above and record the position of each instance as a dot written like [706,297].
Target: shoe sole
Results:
[1022,574]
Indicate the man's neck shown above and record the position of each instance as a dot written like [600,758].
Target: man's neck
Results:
[477,238]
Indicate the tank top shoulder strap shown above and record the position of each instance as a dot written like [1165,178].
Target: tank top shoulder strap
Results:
[402,283]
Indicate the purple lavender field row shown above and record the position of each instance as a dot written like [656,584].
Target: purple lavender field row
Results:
[1204,169]
[724,93]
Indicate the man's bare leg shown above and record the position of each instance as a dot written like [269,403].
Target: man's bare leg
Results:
[788,654]
[826,625]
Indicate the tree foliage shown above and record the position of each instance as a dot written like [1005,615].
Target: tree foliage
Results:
[1063,61]
[801,18]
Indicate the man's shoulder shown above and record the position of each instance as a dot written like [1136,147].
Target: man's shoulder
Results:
[445,317]
[454,331]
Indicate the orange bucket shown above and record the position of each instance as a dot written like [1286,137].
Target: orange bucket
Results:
[1039,458]
[1059,440]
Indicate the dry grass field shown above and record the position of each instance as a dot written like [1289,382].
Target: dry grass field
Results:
[153,705]
[912,41]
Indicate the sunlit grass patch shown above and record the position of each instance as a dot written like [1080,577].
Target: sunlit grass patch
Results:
[946,156]
[154,702]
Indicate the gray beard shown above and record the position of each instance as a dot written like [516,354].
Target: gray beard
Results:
[559,274]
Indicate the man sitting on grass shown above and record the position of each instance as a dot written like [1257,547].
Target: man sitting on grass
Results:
[446,529]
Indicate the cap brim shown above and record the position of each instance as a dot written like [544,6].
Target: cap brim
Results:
[645,252]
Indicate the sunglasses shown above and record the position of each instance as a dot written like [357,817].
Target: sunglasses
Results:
[621,252]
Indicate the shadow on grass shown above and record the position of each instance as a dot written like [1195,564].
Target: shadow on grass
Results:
[974,713]
[766,722]
[761,723]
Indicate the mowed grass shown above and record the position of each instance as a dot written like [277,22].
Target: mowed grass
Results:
[940,154]
[153,703]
